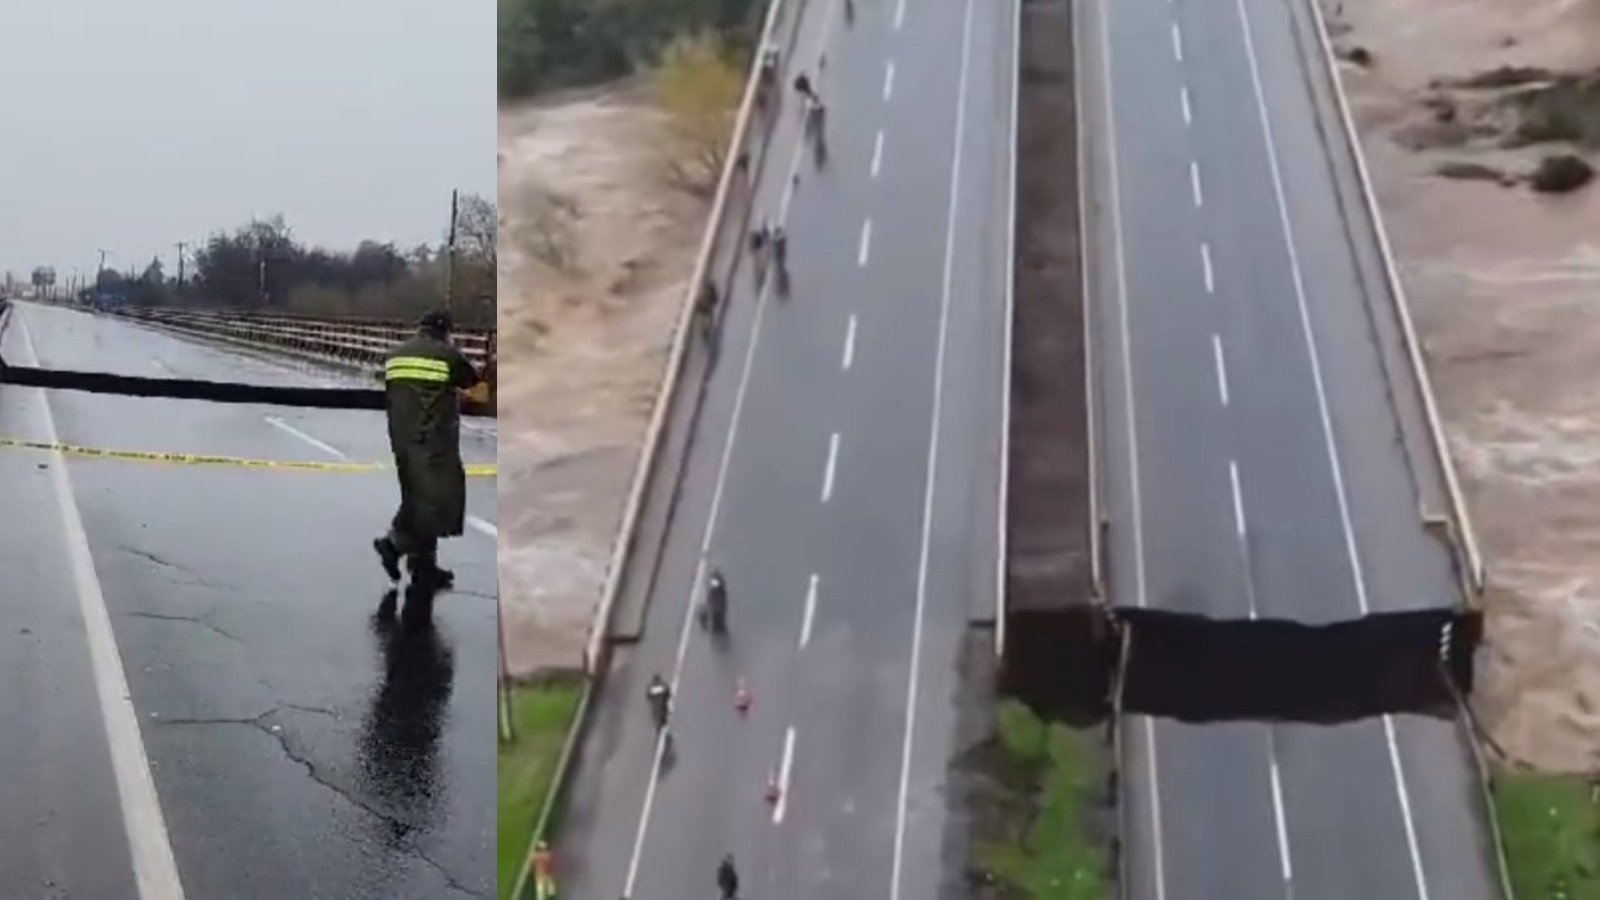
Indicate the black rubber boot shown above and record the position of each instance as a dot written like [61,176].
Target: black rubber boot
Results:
[389,555]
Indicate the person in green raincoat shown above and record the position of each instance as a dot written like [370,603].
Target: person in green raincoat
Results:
[422,376]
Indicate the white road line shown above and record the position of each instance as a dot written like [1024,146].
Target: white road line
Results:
[865,250]
[877,154]
[1177,43]
[810,613]
[888,80]
[1351,550]
[904,793]
[1238,498]
[687,625]
[1222,368]
[155,869]
[1205,260]
[1133,430]
[899,14]
[1188,114]
[1194,182]
[483,526]
[833,463]
[849,345]
[1277,808]
[782,805]
[286,428]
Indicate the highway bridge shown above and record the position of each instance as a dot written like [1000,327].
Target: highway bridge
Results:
[200,699]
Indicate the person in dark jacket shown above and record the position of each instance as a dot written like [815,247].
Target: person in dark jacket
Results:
[422,376]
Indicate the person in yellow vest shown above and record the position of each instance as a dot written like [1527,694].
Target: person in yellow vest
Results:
[422,376]
[544,872]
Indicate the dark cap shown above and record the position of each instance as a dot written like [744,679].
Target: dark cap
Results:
[436,322]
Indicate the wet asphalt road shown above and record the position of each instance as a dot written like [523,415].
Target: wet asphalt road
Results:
[1253,466]
[300,747]
[817,517]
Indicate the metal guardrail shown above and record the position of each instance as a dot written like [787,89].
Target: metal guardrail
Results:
[346,340]
[1462,536]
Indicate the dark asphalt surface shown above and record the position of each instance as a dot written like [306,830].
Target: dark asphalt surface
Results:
[1382,808]
[299,747]
[844,692]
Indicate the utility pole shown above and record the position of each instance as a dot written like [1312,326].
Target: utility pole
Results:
[450,257]
[180,245]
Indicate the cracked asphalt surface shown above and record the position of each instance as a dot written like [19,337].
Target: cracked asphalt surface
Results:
[301,744]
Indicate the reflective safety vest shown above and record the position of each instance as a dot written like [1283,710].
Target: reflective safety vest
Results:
[416,368]
[543,863]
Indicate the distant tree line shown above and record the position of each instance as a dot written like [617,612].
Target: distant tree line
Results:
[545,44]
[261,267]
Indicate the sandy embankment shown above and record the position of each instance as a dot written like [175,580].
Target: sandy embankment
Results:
[1505,286]
[581,348]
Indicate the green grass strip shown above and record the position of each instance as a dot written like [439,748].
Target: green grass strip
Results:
[540,717]
[1551,829]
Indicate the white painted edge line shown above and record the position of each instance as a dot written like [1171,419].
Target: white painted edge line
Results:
[832,467]
[810,613]
[710,529]
[1353,552]
[1157,845]
[286,428]
[1002,540]
[645,464]
[155,869]
[903,794]
[784,771]
[1476,574]
[849,345]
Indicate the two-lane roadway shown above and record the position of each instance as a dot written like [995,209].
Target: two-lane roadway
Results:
[197,692]
[845,479]
[1252,469]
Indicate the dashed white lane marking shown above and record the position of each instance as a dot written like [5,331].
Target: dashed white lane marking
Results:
[155,869]
[1277,809]
[810,613]
[1222,368]
[833,464]
[865,250]
[1183,97]
[779,808]
[849,344]
[483,526]
[899,14]
[877,154]
[286,428]
[888,80]
[1205,261]
[1238,497]
[919,612]
[1194,182]
[1177,43]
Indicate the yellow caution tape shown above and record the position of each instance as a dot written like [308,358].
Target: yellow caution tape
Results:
[474,470]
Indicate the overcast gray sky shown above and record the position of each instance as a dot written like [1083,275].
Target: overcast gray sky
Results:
[133,124]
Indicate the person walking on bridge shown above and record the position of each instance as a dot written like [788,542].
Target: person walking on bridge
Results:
[422,376]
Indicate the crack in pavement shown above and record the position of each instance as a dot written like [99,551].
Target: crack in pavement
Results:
[261,724]
[195,578]
[200,620]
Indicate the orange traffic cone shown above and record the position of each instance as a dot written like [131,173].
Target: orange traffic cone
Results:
[741,699]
